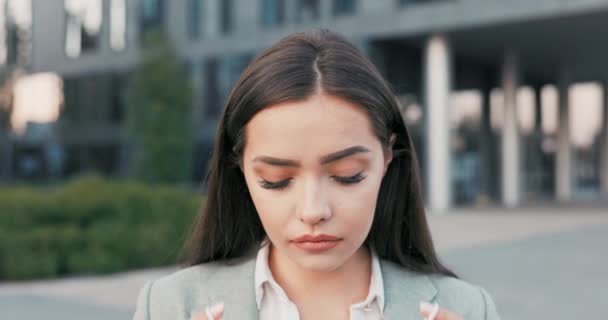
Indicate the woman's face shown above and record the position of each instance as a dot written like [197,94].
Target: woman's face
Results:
[314,168]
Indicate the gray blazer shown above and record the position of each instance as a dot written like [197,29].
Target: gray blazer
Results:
[188,291]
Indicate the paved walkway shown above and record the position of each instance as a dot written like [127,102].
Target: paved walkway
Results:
[538,263]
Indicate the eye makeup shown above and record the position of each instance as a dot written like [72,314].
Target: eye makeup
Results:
[349,180]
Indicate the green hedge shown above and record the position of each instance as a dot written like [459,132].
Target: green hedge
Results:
[91,225]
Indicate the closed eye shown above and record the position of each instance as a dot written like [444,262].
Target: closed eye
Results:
[284,183]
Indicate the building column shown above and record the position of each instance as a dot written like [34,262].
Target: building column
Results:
[604,164]
[510,133]
[486,142]
[212,19]
[437,85]
[563,156]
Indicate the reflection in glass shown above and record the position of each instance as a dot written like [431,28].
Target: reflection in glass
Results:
[83,26]
[118,24]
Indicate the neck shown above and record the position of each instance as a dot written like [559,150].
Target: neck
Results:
[349,282]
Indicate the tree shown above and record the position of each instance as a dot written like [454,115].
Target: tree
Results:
[159,114]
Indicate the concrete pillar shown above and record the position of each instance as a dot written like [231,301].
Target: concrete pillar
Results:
[510,133]
[486,143]
[437,84]
[212,18]
[563,156]
[604,164]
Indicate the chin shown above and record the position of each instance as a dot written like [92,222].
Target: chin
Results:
[319,262]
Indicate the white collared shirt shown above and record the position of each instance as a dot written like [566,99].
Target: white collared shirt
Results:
[273,303]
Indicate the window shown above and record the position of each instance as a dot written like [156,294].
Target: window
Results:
[226,16]
[343,7]
[151,16]
[220,76]
[212,94]
[308,10]
[118,24]
[15,31]
[194,12]
[272,13]
[406,2]
[83,26]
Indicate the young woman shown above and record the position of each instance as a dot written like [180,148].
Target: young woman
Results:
[314,207]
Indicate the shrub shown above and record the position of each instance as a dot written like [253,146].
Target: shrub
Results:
[91,225]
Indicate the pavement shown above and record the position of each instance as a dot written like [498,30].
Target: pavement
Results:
[544,262]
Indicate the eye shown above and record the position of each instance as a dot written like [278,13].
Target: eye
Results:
[274,185]
[284,183]
[350,180]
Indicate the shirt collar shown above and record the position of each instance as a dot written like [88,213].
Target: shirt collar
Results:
[263,275]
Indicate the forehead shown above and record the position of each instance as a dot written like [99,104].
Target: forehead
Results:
[316,126]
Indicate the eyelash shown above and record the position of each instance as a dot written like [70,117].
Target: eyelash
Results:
[342,180]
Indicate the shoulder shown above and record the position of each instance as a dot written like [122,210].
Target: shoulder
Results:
[469,300]
[187,290]
[464,298]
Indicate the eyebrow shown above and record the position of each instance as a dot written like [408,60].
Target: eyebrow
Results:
[332,157]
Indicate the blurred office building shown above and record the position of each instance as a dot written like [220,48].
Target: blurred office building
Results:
[506,101]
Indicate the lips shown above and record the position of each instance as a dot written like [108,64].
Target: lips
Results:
[317,238]
[316,243]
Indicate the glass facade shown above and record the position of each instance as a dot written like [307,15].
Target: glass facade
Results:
[220,75]
[95,103]
[406,2]
[194,13]
[226,16]
[272,12]
[151,16]
[344,7]
[465,145]
[308,10]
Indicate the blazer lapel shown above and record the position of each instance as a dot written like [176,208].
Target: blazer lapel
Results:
[234,286]
[403,291]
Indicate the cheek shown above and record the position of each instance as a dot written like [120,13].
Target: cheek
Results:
[271,209]
[357,205]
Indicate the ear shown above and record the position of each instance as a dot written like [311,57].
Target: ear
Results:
[388,153]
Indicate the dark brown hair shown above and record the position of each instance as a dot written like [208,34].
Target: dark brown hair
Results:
[228,227]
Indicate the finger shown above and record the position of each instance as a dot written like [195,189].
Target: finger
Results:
[426,310]
[214,312]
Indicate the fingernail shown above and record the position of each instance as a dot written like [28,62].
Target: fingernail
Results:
[216,309]
[426,307]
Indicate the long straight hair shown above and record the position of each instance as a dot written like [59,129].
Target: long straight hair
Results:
[228,228]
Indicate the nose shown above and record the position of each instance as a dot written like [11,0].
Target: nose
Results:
[313,205]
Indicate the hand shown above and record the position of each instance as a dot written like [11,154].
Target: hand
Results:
[427,310]
[214,312]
